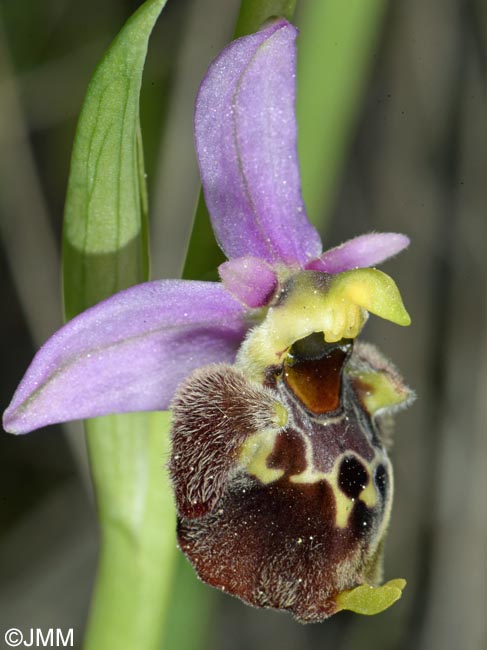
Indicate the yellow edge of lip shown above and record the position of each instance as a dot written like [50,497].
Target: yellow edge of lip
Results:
[368,600]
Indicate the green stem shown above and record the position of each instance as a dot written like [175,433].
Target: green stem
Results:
[128,455]
[105,250]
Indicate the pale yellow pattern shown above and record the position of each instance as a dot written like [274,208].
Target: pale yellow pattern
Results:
[254,454]
[257,449]
[383,391]
[343,503]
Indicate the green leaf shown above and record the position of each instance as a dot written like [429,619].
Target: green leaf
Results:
[105,250]
[105,221]
[335,53]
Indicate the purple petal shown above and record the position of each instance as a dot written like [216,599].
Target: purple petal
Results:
[249,279]
[128,353]
[245,132]
[360,252]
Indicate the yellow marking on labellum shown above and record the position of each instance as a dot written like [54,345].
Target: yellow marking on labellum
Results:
[310,474]
[282,415]
[254,454]
[343,507]
[369,600]
[343,503]
[378,390]
[369,493]
[256,450]
[336,305]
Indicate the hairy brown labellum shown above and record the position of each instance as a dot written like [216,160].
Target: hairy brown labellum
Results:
[284,490]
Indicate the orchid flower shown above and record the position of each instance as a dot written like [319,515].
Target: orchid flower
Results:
[280,418]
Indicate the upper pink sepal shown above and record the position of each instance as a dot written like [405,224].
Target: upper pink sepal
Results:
[245,136]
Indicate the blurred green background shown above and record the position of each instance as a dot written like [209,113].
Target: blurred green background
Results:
[406,153]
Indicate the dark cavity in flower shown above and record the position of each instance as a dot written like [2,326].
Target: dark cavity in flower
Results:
[313,372]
